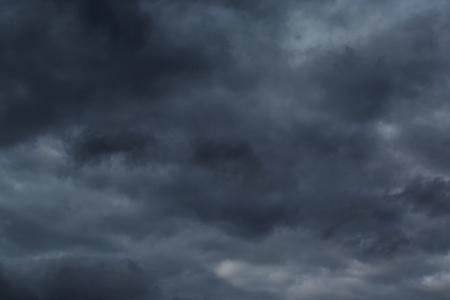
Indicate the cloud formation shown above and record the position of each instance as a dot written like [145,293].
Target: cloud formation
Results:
[200,150]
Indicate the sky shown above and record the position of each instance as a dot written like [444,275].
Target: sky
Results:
[224,149]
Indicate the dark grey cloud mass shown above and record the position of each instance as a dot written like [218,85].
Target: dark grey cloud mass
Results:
[218,150]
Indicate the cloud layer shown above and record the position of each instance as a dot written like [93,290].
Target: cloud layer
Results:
[193,150]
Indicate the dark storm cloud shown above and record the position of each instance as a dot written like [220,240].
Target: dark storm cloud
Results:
[59,60]
[225,154]
[428,195]
[357,89]
[233,149]
[81,278]
[90,147]
[9,289]
[120,22]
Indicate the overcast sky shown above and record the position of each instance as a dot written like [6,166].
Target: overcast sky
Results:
[224,149]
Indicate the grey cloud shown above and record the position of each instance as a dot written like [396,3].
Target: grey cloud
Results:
[231,149]
[31,234]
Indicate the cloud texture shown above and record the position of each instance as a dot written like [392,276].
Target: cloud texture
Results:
[214,150]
